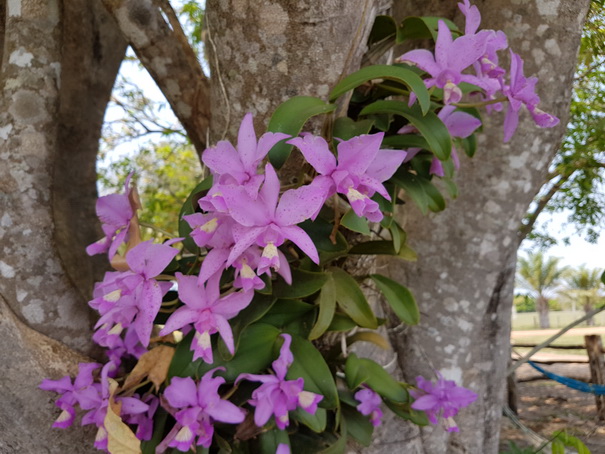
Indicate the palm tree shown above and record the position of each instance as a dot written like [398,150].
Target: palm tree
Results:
[540,276]
[585,285]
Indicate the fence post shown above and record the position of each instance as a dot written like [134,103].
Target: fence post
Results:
[594,348]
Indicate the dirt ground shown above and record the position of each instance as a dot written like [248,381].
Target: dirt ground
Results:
[546,406]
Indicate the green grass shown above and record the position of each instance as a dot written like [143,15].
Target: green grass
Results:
[558,319]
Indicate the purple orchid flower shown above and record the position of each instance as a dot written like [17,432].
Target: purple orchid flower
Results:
[198,405]
[90,396]
[115,212]
[71,393]
[450,59]
[442,400]
[207,312]
[459,124]
[144,420]
[361,169]
[521,91]
[277,396]
[495,41]
[239,167]
[369,405]
[269,220]
[134,297]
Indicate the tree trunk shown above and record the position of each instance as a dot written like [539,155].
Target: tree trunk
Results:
[464,276]
[58,67]
[587,309]
[543,311]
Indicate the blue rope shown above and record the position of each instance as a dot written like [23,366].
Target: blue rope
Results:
[599,390]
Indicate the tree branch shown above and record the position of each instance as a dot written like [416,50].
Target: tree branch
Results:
[525,229]
[164,52]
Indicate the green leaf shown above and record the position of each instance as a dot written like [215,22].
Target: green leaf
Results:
[286,311]
[327,306]
[351,299]
[355,374]
[289,118]
[311,366]
[346,128]
[399,298]
[340,445]
[319,231]
[304,283]
[316,422]
[271,439]
[182,364]
[379,247]
[558,447]
[382,382]
[427,123]
[355,223]
[469,144]
[421,191]
[384,27]
[159,422]
[398,236]
[189,207]
[451,187]
[341,323]
[358,426]
[405,141]
[396,73]
[425,27]
[259,306]
[404,411]
[255,353]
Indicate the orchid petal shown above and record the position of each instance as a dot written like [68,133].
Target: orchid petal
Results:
[386,164]
[316,151]
[299,237]
[423,59]
[246,143]
[246,238]
[149,302]
[355,155]
[269,192]
[214,261]
[181,392]
[181,317]
[223,159]
[297,205]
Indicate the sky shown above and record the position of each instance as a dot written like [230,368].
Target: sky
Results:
[578,252]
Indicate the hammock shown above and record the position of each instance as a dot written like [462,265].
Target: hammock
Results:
[599,390]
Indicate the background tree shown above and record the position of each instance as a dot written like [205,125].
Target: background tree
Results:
[261,53]
[584,285]
[540,276]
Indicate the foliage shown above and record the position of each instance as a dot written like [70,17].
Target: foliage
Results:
[539,275]
[524,303]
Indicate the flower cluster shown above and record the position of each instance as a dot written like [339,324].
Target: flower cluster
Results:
[183,310]
[442,400]
[478,50]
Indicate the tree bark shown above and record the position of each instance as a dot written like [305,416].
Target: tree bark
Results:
[543,311]
[464,276]
[60,61]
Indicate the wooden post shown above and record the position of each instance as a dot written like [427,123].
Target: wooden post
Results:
[594,348]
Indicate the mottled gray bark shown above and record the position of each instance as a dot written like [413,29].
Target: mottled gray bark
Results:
[464,276]
[262,53]
[58,67]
